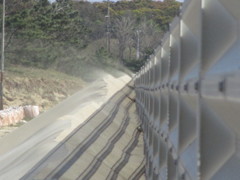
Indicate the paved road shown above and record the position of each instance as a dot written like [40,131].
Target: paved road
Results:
[62,144]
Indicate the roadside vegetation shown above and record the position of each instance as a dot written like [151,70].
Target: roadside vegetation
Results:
[32,86]
[69,35]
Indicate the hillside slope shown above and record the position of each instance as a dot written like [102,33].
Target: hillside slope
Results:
[31,86]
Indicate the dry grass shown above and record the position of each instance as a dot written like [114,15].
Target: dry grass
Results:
[30,86]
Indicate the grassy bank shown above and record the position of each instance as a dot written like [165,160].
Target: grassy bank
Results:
[31,86]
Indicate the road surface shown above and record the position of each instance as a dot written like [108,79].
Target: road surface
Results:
[80,138]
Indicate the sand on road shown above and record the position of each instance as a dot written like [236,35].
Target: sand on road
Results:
[23,148]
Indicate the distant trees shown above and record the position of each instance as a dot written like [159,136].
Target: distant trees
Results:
[43,34]
[124,28]
[149,18]
[36,34]
[151,34]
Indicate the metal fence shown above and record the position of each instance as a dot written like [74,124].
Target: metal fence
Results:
[188,95]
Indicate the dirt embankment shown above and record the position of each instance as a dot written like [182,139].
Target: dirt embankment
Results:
[44,88]
[30,86]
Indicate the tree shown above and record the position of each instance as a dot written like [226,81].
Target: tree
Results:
[150,37]
[124,29]
[39,33]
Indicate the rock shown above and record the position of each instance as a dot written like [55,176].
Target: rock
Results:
[14,115]
[31,111]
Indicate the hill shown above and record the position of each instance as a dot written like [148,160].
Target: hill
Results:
[32,86]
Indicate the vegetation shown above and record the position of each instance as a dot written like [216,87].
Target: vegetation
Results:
[68,35]
[33,86]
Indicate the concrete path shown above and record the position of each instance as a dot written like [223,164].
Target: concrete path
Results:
[106,145]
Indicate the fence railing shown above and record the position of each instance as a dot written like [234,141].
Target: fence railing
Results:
[188,95]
